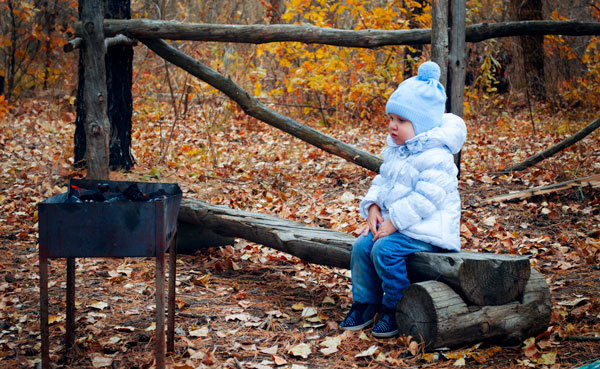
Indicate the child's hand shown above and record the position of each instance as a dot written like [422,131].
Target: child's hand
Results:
[373,220]
[385,229]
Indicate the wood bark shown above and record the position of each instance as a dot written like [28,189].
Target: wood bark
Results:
[314,245]
[530,51]
[119,75]
[532,160]
[456,63]
[259,34]
[479,278]
[256,109]
[485,279]
[118,40]
[119,71]
[191,238]
[97,125]
[433,313]
[439,38]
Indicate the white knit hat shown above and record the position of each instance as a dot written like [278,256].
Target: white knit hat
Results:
[420,99]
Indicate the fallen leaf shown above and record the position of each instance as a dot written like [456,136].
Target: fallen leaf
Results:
[547,359]
[309,311]
[245,303]
[368,352]
[99,305]
[331,345]
[241,317]
[182,366]
[275,313]
[99,361]
[199,332]
[278,360]
[460,362]
[270,350]
[530,350]
[413,348]
[328,300]
[303,350]
[55,319]
[347,197]
[490,221]
[202,281]
[113,340]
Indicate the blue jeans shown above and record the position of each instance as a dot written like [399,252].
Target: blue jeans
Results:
[379,268]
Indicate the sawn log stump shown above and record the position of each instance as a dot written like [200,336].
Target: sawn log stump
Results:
[457,298]
[433,313]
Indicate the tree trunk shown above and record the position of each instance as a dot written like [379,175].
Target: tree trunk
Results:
[433,313]
[530,49]
[118,62]
[456,63]
[119,73]
[274,11]
[479,278]
[439,38]
[97,125]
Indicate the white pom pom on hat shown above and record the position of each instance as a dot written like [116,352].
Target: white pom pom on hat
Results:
[429,70]
[420,99]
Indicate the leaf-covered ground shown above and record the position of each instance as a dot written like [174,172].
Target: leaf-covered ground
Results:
[246,306]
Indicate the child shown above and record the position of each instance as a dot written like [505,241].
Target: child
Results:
[413,203]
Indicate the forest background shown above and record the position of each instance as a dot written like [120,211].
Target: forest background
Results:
[185,131]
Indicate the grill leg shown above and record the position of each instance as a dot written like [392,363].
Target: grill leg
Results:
[45,333]
[160,310]
[172,279]
[70,334]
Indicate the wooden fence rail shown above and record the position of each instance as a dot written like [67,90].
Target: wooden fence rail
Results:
[369,38]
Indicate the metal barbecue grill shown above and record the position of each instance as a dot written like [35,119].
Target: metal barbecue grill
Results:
[109,219]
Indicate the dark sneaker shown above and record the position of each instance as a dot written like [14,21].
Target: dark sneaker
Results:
[360,316]
[386,324]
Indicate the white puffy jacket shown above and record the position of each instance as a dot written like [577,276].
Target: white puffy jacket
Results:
[417,188]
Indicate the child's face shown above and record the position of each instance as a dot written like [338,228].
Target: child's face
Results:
[400,129]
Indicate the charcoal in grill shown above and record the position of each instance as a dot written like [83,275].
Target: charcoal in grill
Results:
[133,193]
[85,195]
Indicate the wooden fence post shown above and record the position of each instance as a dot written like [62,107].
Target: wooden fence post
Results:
[97,125]
[439,37]
[456,61]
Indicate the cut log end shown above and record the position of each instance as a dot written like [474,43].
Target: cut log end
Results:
[421,307]
[479,278]
[496,285]
[432,313]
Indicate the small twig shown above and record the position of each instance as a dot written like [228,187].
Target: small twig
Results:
[583,338]
[529,104]
[175,113]
[341,275]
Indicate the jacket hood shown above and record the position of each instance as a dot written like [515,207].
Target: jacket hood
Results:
[452,134]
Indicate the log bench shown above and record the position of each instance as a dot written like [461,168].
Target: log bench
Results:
[455,299]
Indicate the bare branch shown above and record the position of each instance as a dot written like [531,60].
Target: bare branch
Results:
[256,109]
